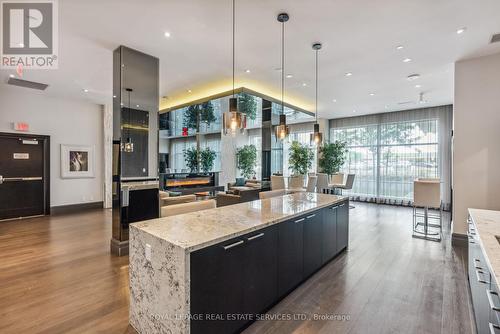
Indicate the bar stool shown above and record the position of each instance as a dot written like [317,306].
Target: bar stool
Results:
[427,195]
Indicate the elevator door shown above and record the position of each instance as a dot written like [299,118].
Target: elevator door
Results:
[23,176]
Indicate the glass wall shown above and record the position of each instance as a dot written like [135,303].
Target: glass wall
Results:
[388,152]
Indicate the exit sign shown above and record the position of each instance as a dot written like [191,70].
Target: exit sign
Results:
[21,126]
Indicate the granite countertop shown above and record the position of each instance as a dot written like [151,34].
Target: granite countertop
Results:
[140,185]
[197,230]
[487,226]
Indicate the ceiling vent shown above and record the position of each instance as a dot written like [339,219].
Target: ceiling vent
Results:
[495,38]
[27,84]
[405,102]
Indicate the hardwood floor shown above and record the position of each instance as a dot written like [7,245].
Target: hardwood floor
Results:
[57,276]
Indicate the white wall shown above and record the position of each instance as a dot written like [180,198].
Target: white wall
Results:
[476,154]
[66,122]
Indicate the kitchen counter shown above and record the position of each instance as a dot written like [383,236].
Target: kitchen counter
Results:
[193,231]
[487,223]
[204,262]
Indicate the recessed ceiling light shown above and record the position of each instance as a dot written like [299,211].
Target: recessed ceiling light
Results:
[86,90]
[137,106]
[354,111]
[189,91]
[418,86]
[289,76]
[247,71]
[334,100]
[166,34]
[461,30]
[114,96]
[413,77]
[304,84]
[372,94]
[406,60]
[400,47]
[348,74]
[11,75]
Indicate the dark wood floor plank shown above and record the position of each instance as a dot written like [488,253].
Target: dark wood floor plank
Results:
[57,276]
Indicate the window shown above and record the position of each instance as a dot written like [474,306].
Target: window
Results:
[387,152]
[177,148]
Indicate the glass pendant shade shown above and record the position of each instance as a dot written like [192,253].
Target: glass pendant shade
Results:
[281,130]
[316,136]
[233,120]
[128,146]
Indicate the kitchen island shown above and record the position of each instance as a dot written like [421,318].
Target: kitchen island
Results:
[217,270]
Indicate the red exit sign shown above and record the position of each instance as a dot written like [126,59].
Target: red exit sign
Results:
[21,126]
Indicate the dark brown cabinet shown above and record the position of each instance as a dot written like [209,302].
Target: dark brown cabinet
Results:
[313,242]
[234,281]
[290,254]
[342,226]
[329,233]
[260,270]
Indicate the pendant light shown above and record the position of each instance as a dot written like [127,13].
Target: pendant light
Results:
[282,129]
[128,146]
[316,137]
[234,120]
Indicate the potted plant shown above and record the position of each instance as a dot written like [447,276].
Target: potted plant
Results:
[248,105]
[332,157]
[207,158]
[246,159]
[191,157]
[190,119]
[300,158]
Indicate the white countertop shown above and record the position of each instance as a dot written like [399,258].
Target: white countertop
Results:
[196,230]
[487,226]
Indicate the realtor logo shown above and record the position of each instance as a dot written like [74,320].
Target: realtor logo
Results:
[29,34]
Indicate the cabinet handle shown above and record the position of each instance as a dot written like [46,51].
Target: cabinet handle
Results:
[237,243]
[311,216]
[300,220]
[493,328]
[478,272]
[490,300]
[260,235]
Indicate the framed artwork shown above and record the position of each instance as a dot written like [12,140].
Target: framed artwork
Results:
[77,161]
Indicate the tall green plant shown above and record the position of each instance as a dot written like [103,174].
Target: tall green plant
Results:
[300,158]
[207,113]
[191,158]
[207,158]
[248,105]
[246,158]
[204,112]
[190,119]
[332,157]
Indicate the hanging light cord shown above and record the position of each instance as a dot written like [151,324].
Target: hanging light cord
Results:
[233,43]
[129,116]
[316,87]
[283,67]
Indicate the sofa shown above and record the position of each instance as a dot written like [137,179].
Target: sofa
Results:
[166,199]
[237,195]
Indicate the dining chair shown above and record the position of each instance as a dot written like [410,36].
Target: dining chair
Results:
[322,183]
[178,209]
[277,182]
[312,180]
[272,193]
[296,183]
[427,195]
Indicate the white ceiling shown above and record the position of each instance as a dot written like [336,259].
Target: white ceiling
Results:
[358,36]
